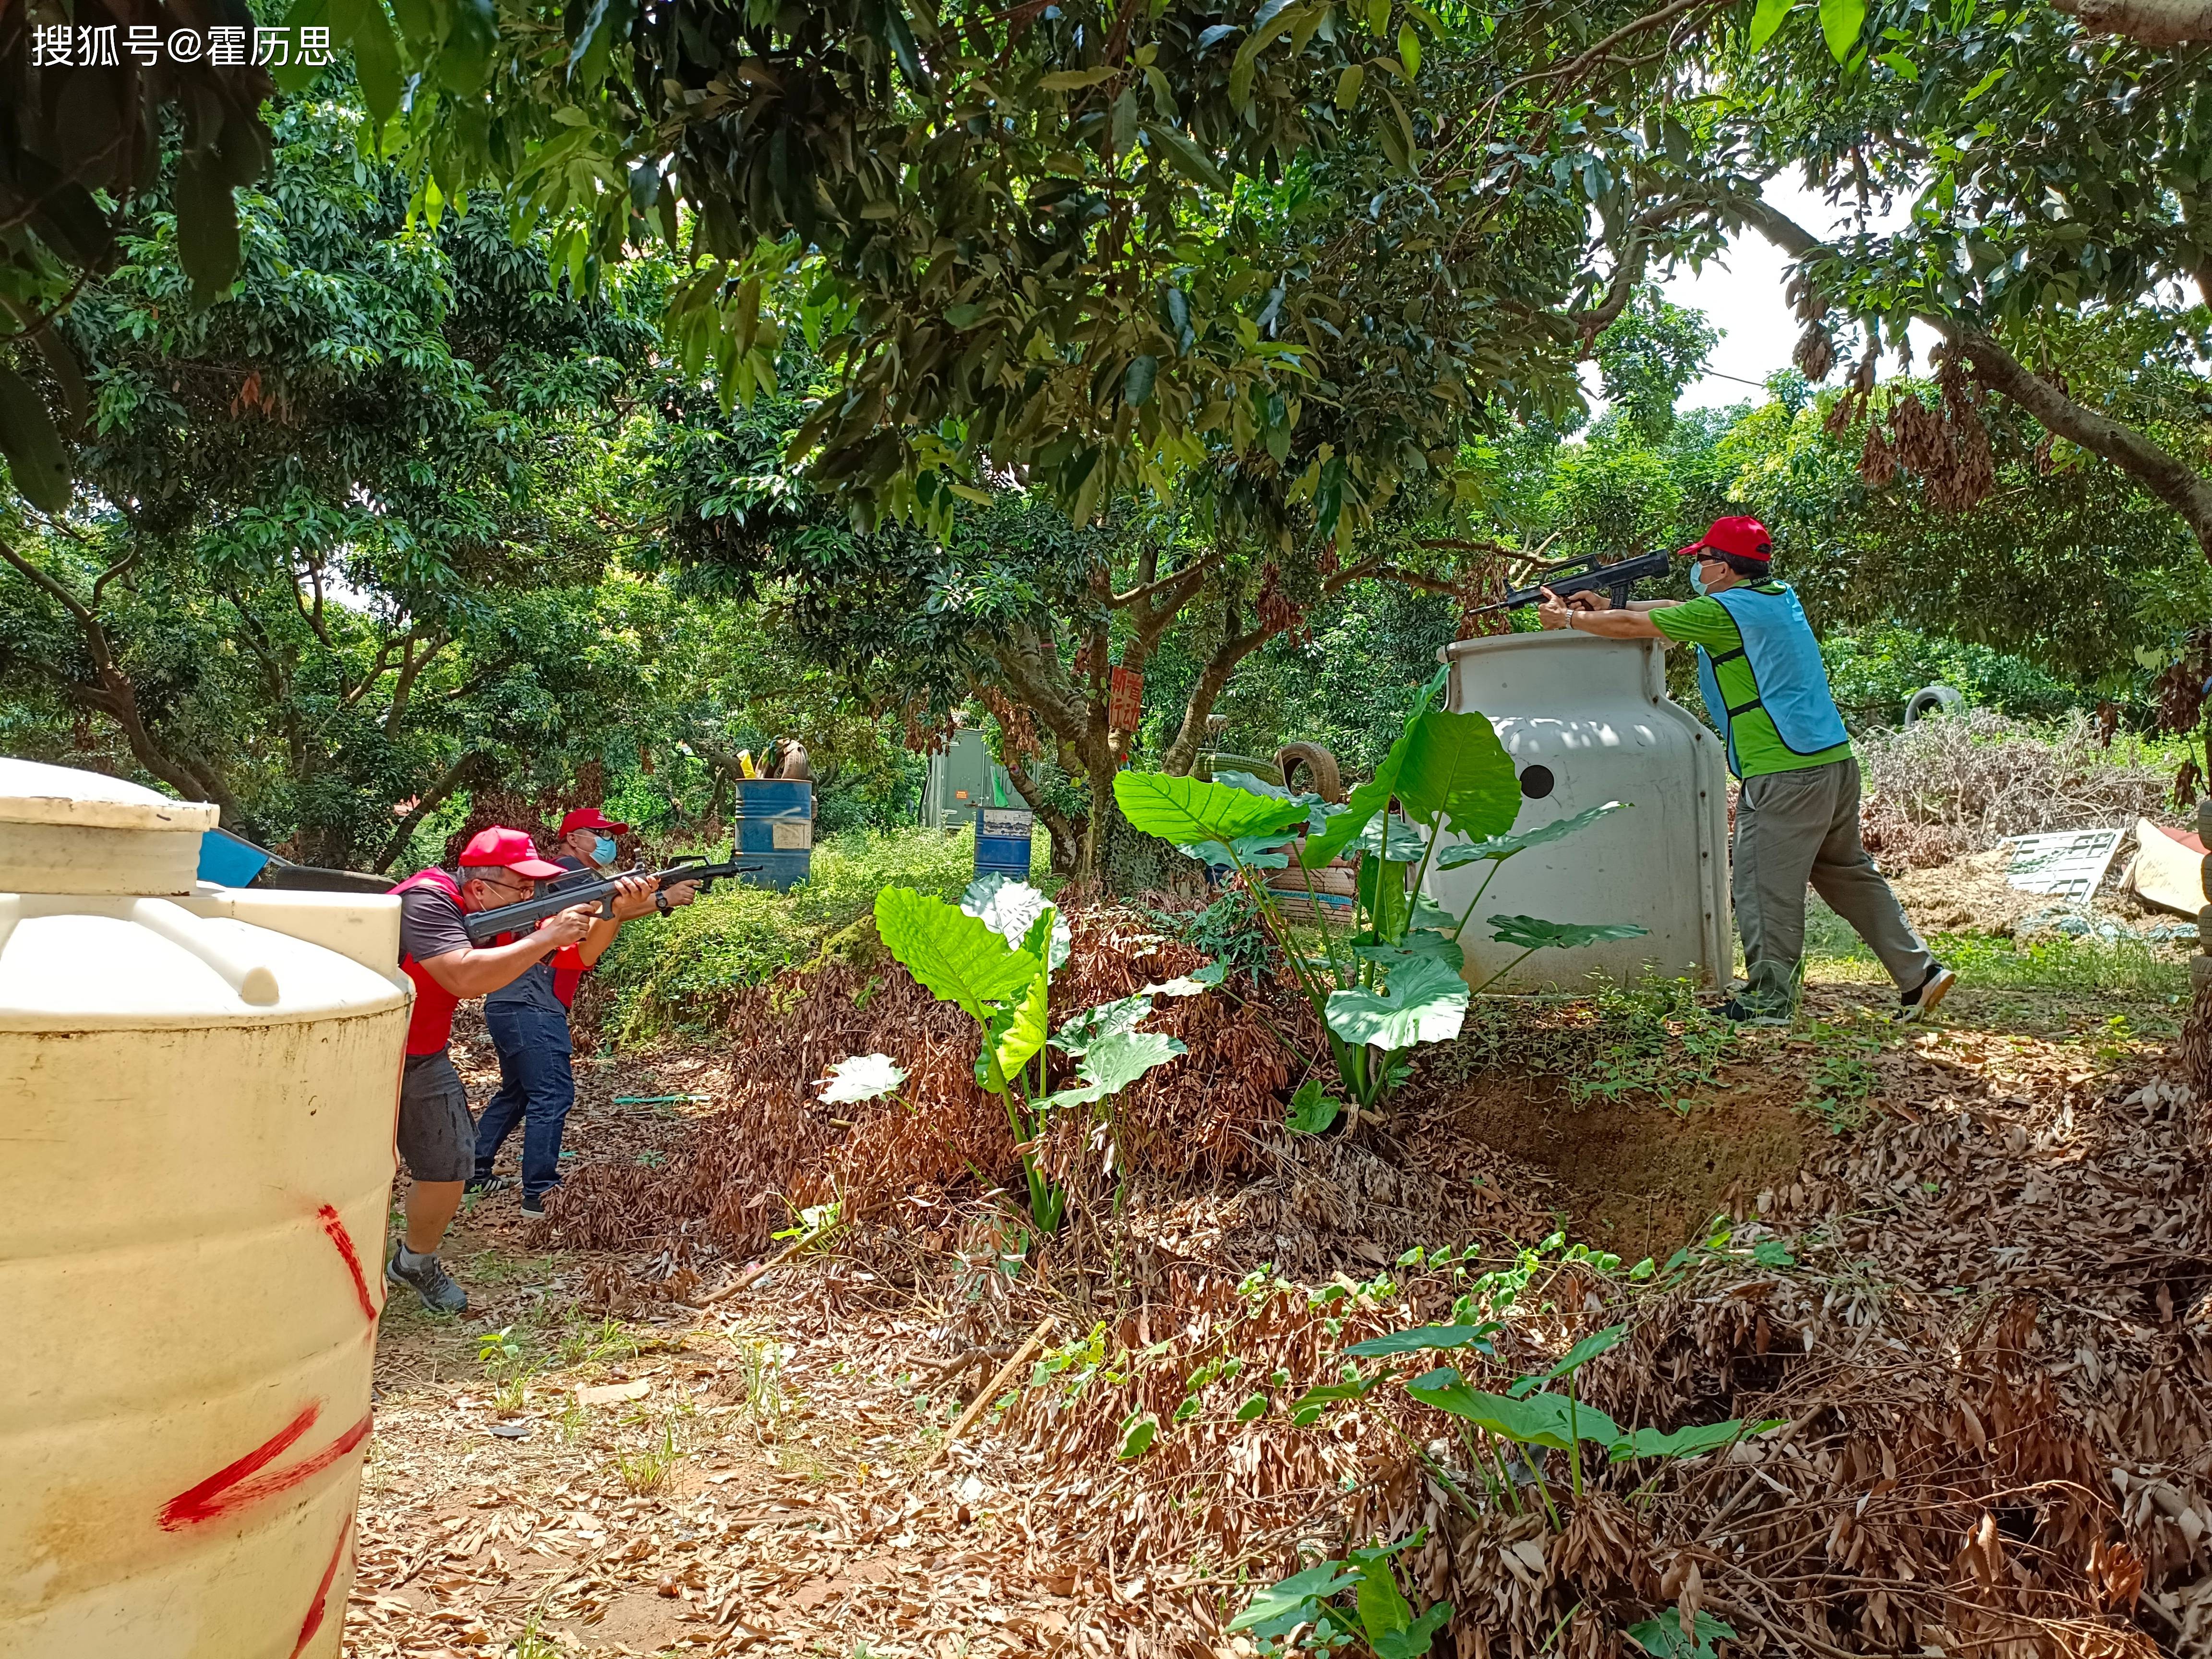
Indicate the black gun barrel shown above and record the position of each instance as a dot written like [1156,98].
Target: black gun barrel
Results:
[582,887]
[1617,579]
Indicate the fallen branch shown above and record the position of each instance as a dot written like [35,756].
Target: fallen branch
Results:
[990,1392]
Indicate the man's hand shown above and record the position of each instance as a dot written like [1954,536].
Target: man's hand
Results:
[633,896]
[681,893]
[1590,599]
[1552,611]
[567,927]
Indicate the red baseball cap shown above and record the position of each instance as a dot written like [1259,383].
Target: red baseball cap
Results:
[590,817]
[1747,538]
[507,850]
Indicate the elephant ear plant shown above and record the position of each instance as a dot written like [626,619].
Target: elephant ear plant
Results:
[993,955]
[1390,978]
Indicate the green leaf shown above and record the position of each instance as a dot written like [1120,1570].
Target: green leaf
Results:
[1419,942]
[1423,1337]
[1114,1061]
[951,955]
[1841,20]
[1315,1583]
[1018,1032]
[1383,1609]
[1312,1109]
[1984,83]
[466,54]
[1348,86]
[1254,1407]
[1532,934]
[1541,1419]
[1137,379]
[361,25]
[1662,1637]
[1190,161]
[1123,1014]
[1425,1002]
[1074,80]
[1505,845]
[1685,1442]
[206,228]
[1415,1639]
[964,317]
[1773,1253]
[898,35]
[35,458]
[864,1076]
[1584,1352]
[1329,1394]
[1409,50]
[1391,838]
[1457,773]
[1192,810]
[1903,67]
[1010,908]
[1766,20]
[1137,1431]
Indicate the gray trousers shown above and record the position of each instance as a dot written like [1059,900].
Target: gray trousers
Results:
[1795,827]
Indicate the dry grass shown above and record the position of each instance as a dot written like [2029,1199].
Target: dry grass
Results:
[1958,784]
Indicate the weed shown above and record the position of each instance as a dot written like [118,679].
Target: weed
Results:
[534,1643]
[760,1372]
[1843,1077]
[1652,1038]
[592,1344]
[648,1471]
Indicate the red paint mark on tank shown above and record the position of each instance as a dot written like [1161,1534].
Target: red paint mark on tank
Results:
[241,1484]
[313,1621]
[335,1226]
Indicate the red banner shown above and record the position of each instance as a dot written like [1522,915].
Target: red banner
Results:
[1125,702]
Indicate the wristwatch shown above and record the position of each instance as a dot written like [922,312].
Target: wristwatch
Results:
[660,902]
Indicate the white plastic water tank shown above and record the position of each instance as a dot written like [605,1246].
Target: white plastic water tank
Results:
[1588,720]
[197,1088]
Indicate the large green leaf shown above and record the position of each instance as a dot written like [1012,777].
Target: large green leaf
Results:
[1582,1352]
[1765,19]
[1532,934]
[1372,796]
[1182,810]
[1504,846]
[35,458]
[1541,1419]
[1425,1002]
[1423,1337]
[1018,1032]
[951,954]
[1010,908]
[1457,774]
[1291,1598]
[1419,942]
[1841,23]
[1312,1109]
[1116,1061]
[1687,1441]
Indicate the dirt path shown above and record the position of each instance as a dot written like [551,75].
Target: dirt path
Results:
[585,1464]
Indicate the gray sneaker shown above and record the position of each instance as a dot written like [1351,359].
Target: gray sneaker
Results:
[431,1282]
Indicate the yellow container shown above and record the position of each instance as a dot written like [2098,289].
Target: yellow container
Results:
[197,1088]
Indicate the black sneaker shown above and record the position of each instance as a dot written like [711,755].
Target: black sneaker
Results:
[532,1207]
[431,1282]
[488,1183]
[1920,1002]
[1737,1011]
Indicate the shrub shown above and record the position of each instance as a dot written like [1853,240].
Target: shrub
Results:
[690,969]
[1956,784]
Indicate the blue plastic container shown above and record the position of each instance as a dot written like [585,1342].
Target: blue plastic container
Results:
[229,861]
[1002,842]
[774,823]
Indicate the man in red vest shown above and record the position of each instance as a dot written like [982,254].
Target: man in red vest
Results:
[437,1138]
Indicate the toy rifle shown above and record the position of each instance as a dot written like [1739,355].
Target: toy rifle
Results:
[586,887]
[1587,576]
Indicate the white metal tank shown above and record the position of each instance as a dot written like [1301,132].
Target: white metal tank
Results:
[198,1089]
[1588,720]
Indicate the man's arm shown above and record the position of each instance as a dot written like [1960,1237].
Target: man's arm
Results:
[1624,622]
[634,898]
[476,971]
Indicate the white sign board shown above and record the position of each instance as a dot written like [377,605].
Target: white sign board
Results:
[2070,863]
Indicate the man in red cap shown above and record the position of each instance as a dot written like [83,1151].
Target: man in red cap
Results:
[1797,816]
[437,1139]
[528,1019]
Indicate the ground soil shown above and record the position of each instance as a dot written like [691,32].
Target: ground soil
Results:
[657,1471]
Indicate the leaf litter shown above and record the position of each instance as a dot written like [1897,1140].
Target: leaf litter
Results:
[1981,1318]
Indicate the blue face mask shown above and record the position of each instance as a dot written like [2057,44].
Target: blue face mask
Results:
[603,850]
[1697,579]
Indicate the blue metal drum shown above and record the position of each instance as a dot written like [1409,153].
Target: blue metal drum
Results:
[1002,842]
[774,823]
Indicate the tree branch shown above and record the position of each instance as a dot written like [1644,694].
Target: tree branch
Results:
[460,772]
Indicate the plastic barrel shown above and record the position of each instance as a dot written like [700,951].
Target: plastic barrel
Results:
[776,830]
[1002,842]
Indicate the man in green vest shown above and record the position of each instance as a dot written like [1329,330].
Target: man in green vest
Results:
[1797,816]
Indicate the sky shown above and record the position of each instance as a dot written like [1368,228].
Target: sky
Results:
[1741,294]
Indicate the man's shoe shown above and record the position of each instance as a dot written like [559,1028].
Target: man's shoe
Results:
[429,1280]
[532,1207]
[1739,1013]
[488,1183]
[1920,1002]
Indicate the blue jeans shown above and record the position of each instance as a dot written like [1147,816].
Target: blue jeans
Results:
[537,1087]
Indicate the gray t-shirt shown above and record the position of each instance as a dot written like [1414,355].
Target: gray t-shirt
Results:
[535,988]
[430,923]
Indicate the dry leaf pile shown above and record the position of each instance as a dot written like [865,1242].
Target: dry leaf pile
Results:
[775,1150]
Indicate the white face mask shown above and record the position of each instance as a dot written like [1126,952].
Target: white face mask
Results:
[604,849]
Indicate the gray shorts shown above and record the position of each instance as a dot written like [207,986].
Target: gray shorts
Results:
[437,1137]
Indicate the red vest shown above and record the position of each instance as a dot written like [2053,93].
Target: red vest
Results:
[430,1027]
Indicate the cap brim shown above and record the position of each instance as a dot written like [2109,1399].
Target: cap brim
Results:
[1693,550]
[612,829]
[537,869]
